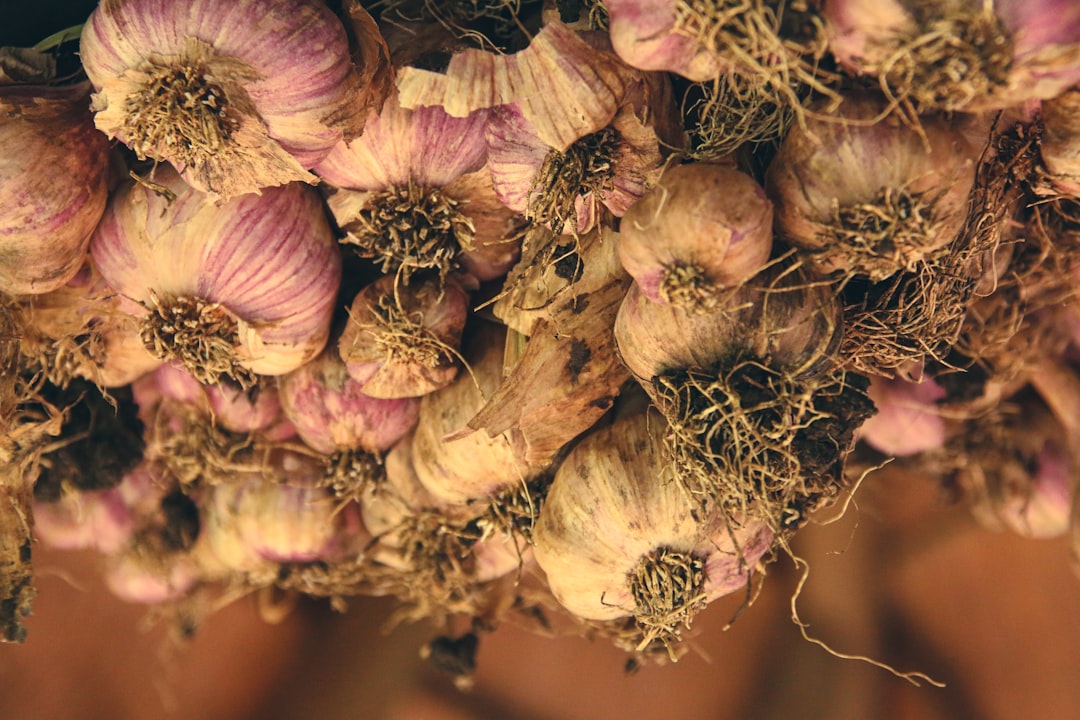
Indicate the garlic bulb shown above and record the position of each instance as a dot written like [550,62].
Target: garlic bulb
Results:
[237,97]
[403,341]
[281,515]
[762,418]
[150,579]
[702,229]
[411,195]
[247,287]
[871,218]
[617,538]
[782,314]
[100,520]
[81,330]
[610,166]
[907,420]
[1015,467]
[960,54]
[332,413]
[53,179]
[1059,146]
[647,34]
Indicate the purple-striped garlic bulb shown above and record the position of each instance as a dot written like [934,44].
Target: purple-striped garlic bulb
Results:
[412,194]
[334,417]
[871,199]
[232,290]
[237,97]
[403,340]
[617,538]
[704,228]
[959,54]
[52,186]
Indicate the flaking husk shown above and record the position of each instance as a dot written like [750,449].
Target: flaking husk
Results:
[569,374]
[557,64]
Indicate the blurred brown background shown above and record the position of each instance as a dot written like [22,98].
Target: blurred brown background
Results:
[902,579]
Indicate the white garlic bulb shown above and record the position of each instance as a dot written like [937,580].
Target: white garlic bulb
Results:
[617,538]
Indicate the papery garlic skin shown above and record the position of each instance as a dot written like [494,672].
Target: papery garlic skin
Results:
[703,228]
[269,262]
[558,64]
[276,76]
[610,505]
[52,186]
